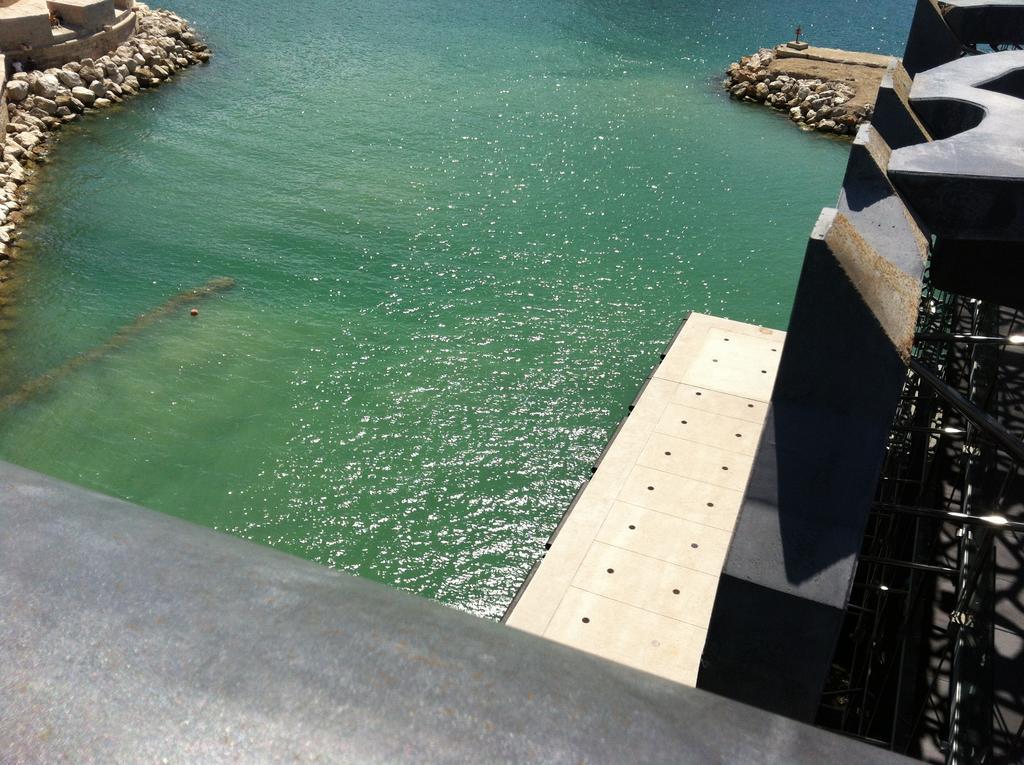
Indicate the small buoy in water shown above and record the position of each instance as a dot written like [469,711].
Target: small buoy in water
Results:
[194,312]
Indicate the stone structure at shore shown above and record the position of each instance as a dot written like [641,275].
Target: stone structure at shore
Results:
[36,34]
[37,103]
[820,89]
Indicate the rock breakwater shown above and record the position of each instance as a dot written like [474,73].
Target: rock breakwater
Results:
[814,103]
[40,103]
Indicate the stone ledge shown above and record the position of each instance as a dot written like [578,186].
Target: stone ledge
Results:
[834,56]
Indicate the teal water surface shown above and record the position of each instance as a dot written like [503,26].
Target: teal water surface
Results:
[461,232]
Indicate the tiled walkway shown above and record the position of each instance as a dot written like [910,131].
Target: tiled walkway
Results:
[631,575]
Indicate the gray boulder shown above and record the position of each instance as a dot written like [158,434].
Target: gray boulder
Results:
[33,121]
[90,73]
[17,90]
[86,96]
[46,85]
[28,139]
[45,105]
[15,172]
[69,79]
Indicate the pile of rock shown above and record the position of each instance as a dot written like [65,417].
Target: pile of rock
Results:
[814,104]
[39,103]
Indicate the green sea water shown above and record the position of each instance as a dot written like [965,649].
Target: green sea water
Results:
[461,232]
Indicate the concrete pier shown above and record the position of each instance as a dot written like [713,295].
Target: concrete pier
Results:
[633,570]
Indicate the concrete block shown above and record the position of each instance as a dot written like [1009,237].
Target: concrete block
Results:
[893,118]
[23,28]
[869,200]
[945,30]
[84,16]
[791,562]
[969,182]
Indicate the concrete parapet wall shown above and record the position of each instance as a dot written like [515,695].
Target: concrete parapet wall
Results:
[3,97]
[180,640]
[93,46]
[85,16]
[25,31]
